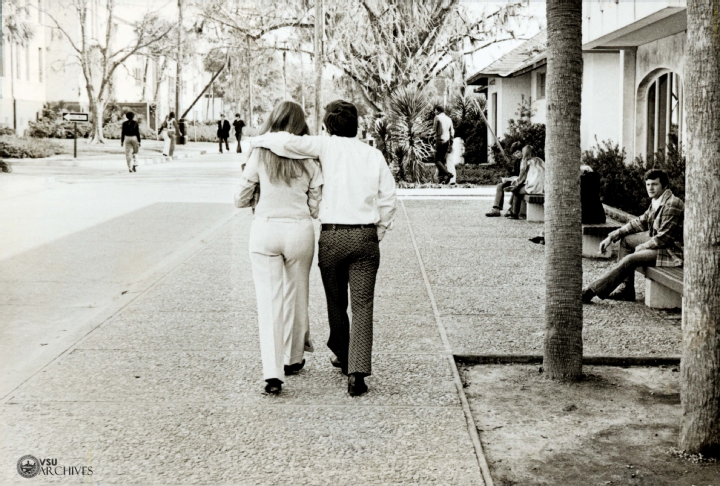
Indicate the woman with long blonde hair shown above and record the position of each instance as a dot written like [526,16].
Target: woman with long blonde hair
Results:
[282,244]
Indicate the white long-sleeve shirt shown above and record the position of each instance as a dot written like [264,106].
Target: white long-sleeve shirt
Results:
[358,185]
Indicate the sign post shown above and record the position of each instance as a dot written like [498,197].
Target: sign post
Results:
[75,117]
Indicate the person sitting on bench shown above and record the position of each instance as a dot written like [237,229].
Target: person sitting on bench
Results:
[653,239]
[518,168]
[530,181]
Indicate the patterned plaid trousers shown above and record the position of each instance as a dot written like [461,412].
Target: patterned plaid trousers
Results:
[350,256]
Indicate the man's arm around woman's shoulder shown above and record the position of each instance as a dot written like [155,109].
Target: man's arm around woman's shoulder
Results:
[290,146]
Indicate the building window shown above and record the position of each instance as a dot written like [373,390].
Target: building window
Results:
[138,75]
[664,114]
[40,64]
[541,86]
[27,62]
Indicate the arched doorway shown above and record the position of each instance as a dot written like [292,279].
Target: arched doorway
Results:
[660,111]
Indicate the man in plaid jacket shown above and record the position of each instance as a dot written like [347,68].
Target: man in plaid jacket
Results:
[653,239]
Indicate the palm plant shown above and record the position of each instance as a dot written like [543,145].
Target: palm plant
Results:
[409,130]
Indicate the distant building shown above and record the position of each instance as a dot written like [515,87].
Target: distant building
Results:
[633,53]
[45,71]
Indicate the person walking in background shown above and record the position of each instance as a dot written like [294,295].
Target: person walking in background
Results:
[444,132]
[238,124]
[282,244]
[130,139]
[223,132]
[357,209]
[530,181]
[171,130]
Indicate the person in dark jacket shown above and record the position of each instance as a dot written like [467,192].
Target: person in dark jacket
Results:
[593,211]
[130,139]
[223,132]
[238,124]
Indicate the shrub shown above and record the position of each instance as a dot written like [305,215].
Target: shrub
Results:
[521,132]
[51,125]
[113,130]
[469,125]
[480,175]
[20,148]
[622,184]
[7,131]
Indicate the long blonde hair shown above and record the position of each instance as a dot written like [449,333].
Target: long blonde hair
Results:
[287,116]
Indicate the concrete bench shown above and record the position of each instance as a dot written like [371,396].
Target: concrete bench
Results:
[592,235]
[535,207]
[663,287]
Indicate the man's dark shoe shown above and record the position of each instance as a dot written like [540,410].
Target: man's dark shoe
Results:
[294,368]
[494,213]
[356,385]
[339,364]
[623,293]
[511,215]
[587,295]
[274,386]
[540,240]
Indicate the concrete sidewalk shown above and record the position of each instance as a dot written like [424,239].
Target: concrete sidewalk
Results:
[170,389]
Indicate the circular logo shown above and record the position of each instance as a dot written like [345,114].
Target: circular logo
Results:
[28,466]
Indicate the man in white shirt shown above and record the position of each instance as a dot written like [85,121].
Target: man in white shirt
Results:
[357,208]
[444,132]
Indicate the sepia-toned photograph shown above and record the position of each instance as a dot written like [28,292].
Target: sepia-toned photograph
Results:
[360,242]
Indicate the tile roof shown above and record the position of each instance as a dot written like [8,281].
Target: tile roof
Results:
[523,56]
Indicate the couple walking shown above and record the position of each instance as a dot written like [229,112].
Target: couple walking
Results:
[353,194]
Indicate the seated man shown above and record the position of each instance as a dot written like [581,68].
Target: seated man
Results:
[518,168]
[531,181]
[653,239]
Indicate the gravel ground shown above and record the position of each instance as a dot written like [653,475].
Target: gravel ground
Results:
[488,280]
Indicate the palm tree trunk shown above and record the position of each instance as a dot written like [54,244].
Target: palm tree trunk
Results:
[563,234]
[700,366]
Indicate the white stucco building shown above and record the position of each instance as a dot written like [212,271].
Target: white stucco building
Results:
[633,53]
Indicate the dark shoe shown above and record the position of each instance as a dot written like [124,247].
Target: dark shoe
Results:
[587,295]
[623,293]
[339,364]
[274,386]
[511,215]
[134,168]
[356,385]
[495,213]
[540,240]
[294,368]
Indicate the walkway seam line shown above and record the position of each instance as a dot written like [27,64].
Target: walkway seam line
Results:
[472,428]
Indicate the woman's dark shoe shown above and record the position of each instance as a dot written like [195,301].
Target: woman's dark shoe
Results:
[339,364]
[540,240]
[356,385]
[274,386]
[294,368]
[511,215]
[587,295]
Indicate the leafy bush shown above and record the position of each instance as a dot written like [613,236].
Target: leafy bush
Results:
[7,131]
[481,175]
[409,132]
[622,184]
[521,132]
[21,148]
[51,125]
[5,167]
[113,130]
[465,112]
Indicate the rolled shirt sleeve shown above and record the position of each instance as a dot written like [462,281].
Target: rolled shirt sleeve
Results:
[386,199]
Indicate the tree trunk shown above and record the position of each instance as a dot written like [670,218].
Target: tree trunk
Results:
[700,365]
[97,110]
[319,29]
[563,233]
